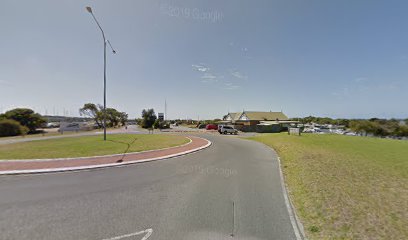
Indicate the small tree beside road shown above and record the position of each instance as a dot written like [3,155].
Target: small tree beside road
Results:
[123,118]
[114,118]
[148,118]
[93,111]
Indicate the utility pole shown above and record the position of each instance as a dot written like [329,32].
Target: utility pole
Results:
[89,9]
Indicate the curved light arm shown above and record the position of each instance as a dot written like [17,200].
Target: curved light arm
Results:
[113,50]
[89,9]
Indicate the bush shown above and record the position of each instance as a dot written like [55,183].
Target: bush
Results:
[10,127]
[161,124]
[26,117]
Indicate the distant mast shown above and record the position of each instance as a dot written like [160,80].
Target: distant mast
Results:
[165,109]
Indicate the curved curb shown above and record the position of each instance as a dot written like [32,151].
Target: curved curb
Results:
[293,217]
[92,157]
[89,167]
[296,224]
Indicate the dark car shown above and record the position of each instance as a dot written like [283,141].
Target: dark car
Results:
[211,127]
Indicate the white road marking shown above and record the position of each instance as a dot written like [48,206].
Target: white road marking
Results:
[148,232]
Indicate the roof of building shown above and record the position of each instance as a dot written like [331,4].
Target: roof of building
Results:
[264,116]
[233,115]
[275,122]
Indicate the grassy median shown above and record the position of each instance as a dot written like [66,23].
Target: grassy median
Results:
[346,187]
[89,146]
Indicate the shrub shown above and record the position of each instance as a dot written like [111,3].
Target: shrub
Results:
[26,117]
[10,127]
[161,124]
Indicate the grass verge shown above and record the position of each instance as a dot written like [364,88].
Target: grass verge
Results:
[52,132]
[346,187]
[88,146]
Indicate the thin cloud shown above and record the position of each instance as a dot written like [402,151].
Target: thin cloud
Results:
[343,92]
[231,86]
[209,77]
[389,86]
[238,74]
[200,68]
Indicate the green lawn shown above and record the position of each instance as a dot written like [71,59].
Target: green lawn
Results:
[88,146]
[49,133]
[346,187]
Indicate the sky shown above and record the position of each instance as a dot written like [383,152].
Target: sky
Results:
[339,59]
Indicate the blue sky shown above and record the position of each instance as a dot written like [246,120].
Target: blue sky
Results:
[328,58]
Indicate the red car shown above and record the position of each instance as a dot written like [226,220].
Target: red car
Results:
[211,127]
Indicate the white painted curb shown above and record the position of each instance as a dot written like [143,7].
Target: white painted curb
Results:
[50,170]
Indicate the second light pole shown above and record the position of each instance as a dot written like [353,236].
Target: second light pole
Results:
[89,9]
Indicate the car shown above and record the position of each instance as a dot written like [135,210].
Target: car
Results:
[201,126]
[211,127]
[227,129]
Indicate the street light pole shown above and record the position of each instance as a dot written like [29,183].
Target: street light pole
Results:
[89,9]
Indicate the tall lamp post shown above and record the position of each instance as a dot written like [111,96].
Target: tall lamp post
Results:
[89,9]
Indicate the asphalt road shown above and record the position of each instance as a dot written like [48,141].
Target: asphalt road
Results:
[233,187]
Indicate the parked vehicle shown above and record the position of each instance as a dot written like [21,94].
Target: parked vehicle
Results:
[52,125]
[312,130]
[227,129]
[201,126]
[211,127]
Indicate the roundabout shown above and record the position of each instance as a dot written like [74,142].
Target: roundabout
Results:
[128,155]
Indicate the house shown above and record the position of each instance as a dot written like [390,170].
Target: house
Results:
[250,121]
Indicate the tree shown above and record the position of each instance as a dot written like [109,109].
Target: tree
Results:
[148,118]
[26,117]
[344,122]
[139,121]
[156,124]
[113,116]
[123,118]
[401,131]
[93,111]
[357,126]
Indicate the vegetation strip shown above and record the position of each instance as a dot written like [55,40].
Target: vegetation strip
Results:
[22,167]
[87,146]
[93,157]
[346,187]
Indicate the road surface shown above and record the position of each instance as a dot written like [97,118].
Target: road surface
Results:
[230,189]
